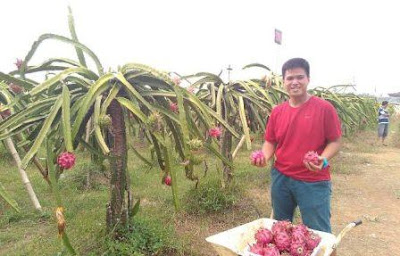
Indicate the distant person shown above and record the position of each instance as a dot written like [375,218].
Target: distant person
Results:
[383,122]
[303,123]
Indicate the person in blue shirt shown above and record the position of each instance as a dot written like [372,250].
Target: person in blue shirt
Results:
[383,122]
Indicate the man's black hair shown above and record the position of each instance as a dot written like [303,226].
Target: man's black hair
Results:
[296,63]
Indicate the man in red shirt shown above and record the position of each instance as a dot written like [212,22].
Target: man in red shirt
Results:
[303,123]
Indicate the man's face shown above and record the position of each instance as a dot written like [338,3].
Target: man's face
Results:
[296,82]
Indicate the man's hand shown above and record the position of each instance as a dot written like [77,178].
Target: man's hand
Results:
[259,162]
[313,167]
[258,158]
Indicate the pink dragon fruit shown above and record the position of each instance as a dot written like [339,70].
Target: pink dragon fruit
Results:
[282,225]
[298,236]
[271,250]
[257,157]
[312,241]
[312,157]
[282,240]
[15,88]
[176,80]
[257,249]
[173,107]
[301,228]
[215,132]
[190,89]
[66,160]
[168,180]
[263,236]
[299,233]
[298,249]
[6,113]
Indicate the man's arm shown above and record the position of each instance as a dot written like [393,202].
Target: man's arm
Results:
[331,149]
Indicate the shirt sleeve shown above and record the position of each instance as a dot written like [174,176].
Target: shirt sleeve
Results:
[270,128]
[332,123]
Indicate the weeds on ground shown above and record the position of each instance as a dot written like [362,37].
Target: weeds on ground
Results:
[143,237]
[210,197]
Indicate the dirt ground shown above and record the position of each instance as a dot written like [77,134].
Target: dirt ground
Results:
[371,194]
[368,190]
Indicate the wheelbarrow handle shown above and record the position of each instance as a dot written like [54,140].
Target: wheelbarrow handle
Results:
[345,230]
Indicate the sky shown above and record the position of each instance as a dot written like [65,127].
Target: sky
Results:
[345,42]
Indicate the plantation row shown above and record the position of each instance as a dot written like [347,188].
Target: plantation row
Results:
[76,106]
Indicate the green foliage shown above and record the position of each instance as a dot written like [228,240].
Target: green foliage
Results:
[144,237]
[210,197]
[85,176]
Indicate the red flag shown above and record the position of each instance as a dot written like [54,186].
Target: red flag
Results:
[278,36]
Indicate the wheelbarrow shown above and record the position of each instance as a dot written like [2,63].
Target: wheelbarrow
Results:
[236,241]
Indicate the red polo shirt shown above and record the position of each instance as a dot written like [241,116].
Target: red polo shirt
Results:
[295,131]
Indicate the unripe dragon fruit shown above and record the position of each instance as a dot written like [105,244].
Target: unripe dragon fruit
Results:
[105,121]
[66,160]
[257,156]
[263,236]
[195,144]
[282,240]
[312,157]
[173,107]
[155,122]
[215,132]
[168,180]
[312,241]
[298,249]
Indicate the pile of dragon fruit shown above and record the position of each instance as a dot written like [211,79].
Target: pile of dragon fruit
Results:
[285,238]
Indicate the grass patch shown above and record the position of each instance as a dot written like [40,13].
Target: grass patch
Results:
[211,197]
[143,237]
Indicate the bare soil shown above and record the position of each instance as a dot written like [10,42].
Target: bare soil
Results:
[366,187]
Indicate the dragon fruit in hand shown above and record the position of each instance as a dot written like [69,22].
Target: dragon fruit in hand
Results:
[312,157]
[257,157]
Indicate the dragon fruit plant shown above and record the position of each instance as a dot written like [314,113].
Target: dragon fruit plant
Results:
[284,238]
[312,157]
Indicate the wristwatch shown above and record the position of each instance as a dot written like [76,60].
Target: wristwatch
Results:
[325,163]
